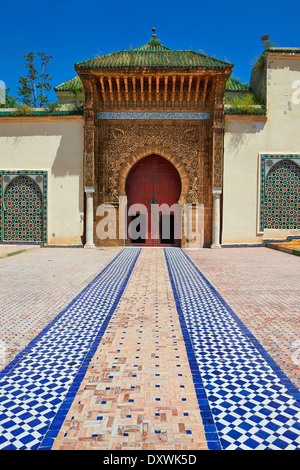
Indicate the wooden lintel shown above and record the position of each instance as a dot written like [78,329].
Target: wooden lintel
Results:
[157,90]
[215,95]
[189,90]
[204,90]
[126,89]
[169,90]
[111,94]
[134,89]
[103,90]
[142,90]
[197,90]
[166,91]
[173,90]
[119,90]
[181,89]
[149,88]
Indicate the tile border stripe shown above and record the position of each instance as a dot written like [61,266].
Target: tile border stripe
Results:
[205,406]
[277,370]
[57,422]
[154,115]
[210,430]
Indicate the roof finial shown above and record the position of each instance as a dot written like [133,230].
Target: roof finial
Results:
[153,35]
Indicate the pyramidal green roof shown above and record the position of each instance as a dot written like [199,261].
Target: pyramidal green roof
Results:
[153,45]
[154,55]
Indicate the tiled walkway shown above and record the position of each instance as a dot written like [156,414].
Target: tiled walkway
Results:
[148,356]
[261,287]
[37,285]
[39,384]
[252,403]
[138,391]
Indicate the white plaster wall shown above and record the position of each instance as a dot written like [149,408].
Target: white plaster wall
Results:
[246,138]
[55,146]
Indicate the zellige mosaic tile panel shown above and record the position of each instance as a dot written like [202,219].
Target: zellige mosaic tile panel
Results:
[23,202]
[280,190]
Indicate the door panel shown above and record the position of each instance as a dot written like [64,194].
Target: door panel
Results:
[153,180]
[166,228]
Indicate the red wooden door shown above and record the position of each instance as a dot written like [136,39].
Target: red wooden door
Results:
[153,180]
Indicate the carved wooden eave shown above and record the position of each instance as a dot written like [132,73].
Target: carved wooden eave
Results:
[156,90]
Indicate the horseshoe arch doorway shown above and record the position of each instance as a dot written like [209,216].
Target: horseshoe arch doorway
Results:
[153,180]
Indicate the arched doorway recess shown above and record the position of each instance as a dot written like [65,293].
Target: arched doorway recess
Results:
[23,210]
[281,203]
[154,181]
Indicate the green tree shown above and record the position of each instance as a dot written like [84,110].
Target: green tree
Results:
[44,85]
[10,101]
[35,85]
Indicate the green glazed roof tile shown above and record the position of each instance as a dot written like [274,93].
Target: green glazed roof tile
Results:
[153,54]
[235,85]
[65,86]
[39,113]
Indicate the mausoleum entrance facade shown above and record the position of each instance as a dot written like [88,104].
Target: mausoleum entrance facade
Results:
[176,147]
[154,101]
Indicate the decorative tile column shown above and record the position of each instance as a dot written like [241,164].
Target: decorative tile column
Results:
[216,216]
[217,157]
[89,228]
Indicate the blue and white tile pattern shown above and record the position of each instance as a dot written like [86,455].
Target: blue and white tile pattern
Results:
[38,387]
[245,399]
[154,116]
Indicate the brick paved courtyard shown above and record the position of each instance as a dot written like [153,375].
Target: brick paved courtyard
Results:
[141,388]
[35,286]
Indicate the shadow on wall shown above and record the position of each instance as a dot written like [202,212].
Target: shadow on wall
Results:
[62,152]
[287,65]
[67,140]
[65,163]
[240,133]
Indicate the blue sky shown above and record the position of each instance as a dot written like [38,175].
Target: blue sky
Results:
[75,30]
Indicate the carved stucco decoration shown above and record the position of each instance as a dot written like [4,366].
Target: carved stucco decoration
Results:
[119,140]
[218,144]
[89,157]
[218,133]
[193,193]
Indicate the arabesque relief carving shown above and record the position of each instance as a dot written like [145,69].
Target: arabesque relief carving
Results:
[119,140]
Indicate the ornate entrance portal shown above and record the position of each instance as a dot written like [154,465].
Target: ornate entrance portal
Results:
[154,181]
[154,97]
